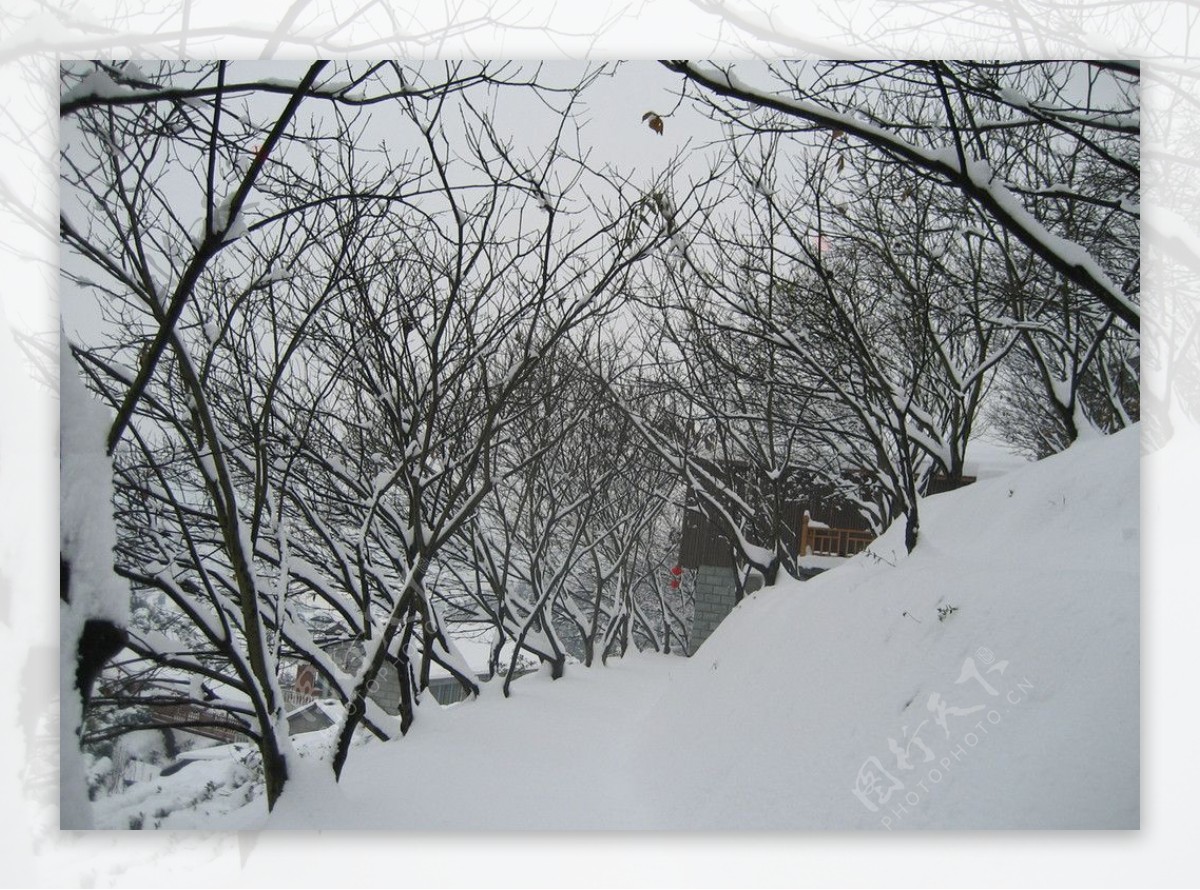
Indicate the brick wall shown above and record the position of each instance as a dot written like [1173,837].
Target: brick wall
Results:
[715,591]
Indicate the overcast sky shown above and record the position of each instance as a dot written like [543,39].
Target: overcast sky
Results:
[610,115]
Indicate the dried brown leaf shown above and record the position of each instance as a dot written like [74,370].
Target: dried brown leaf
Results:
[655,122]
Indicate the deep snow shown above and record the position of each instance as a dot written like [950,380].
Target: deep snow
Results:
[989,680]
[87,537]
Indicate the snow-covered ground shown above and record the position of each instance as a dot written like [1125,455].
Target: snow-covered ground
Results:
[990,680]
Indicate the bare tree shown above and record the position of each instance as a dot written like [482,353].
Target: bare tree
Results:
[892,313]
[964,124]
[310,381]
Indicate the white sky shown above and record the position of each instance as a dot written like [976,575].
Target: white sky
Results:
[612,131]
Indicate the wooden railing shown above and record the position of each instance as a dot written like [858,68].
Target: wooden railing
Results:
[837,541]
[819,539]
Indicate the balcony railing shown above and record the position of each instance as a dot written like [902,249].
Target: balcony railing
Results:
[819,539]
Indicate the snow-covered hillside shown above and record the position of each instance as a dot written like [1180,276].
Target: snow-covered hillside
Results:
[798,699]
[990,680]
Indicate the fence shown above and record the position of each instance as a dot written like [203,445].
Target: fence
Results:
[836,542]
[819,539]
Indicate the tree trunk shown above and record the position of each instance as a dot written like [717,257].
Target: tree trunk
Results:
[912,527]
[401,616]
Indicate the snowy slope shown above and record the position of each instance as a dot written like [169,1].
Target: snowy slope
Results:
[788,709]
[802,685]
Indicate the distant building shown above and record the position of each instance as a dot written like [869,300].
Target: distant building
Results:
[814,517]
[817,519]
[308,686]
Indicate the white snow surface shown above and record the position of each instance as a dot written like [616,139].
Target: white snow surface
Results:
[811,691]
[86,538]
[87,534]
[986,459]
[97,84]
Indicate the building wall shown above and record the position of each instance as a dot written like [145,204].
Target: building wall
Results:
[716,590]
[387,693]
[703,543]
[706,550]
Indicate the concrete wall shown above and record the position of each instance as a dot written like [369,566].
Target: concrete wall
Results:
[387,693]
[715,590]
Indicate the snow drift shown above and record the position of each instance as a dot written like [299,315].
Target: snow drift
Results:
[989,680]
